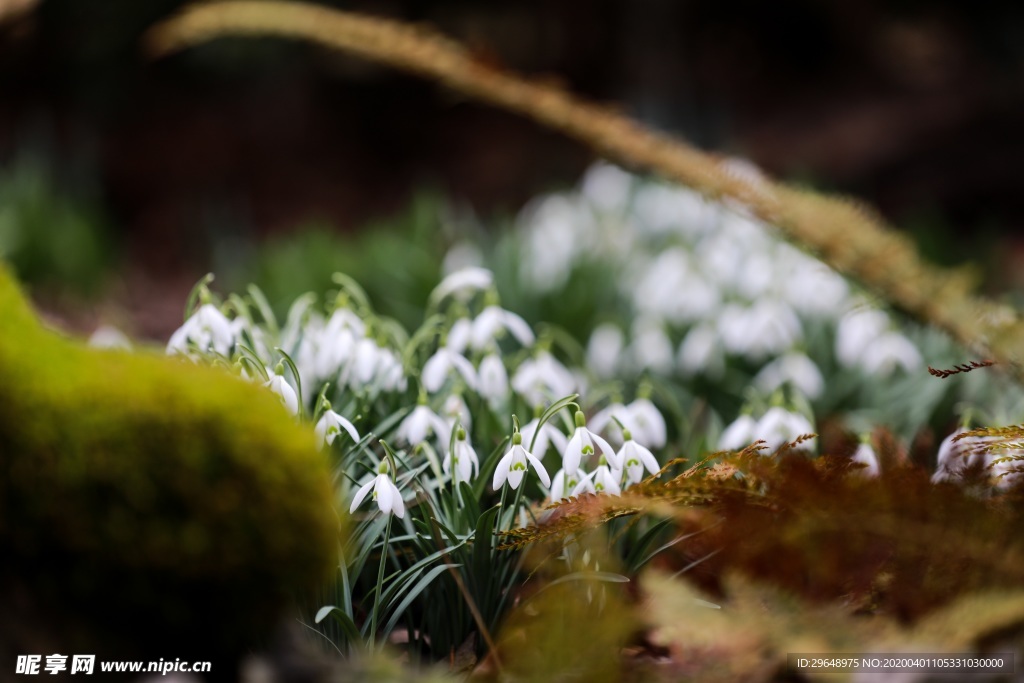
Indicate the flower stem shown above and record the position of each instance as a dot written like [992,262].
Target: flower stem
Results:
[380,582]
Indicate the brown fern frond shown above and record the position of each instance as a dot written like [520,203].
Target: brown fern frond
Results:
[959,369]
[1005,433]
[790,445]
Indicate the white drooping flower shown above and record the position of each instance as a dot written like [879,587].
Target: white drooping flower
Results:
[957,455]
[604,420]
[463,283]
[701,352]
[740,434]
[635,458]
[514,464]
[604,350]
[439,366]
[606,186]
[492,378]
[564,485]
[582,445]
[463,461]
[889,351]
[492,321]
[454,411]
[647,422]
[542,379]
[420,424]
[385,493]
[651,348]
[330,425]
[865,455]
[208,329]
[549,435]
[855,331]
[280,386]
[107,337]
[793,368]
[779,426]
[601,480]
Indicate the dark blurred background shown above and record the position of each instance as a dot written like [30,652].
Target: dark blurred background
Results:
[150,167]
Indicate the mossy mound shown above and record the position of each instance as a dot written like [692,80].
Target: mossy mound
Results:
[168,506]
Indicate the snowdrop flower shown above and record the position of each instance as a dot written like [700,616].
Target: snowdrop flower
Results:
[493,378]
[855,331]
[793,368]
[207,328]
[420,423]
[601,480]
[280,386]
[495,319]
[454,411]
[604,420]
[582,445]
[604,349]
[548,435]
[771,327]
[651,348]
[513,465]
[606,186]
[779,426]
[891,350]
[738,435]
[701,352]
[466,464]
[647,422]
[956,456]
[542,378]
[459,335]
[387,495]
[463,283]
[635,458]
[564,485]
[330,425]
[553,226]
[439,366]
[107,337]
[865,455]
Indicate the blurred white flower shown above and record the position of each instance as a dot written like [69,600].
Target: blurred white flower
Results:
[738,435]
[606,186]
[702,352]
[439,366]
[513,466]
[454,411]
[865,455]
[604,350]
[889,351]
[855,331]
[779,426]
[542,379]
[208,329]
[601,480]
[463,283]
[646,422]
[107,337]
[549,435]
[956,456]
[793,368]
[420,424]
[493,378]
[385,493]
[495,319]
[651,348]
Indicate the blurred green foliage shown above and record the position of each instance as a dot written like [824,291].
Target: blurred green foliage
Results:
[51,236]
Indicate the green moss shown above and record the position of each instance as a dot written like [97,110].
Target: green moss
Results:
[149,487]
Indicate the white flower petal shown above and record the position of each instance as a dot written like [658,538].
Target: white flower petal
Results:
[361,494]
